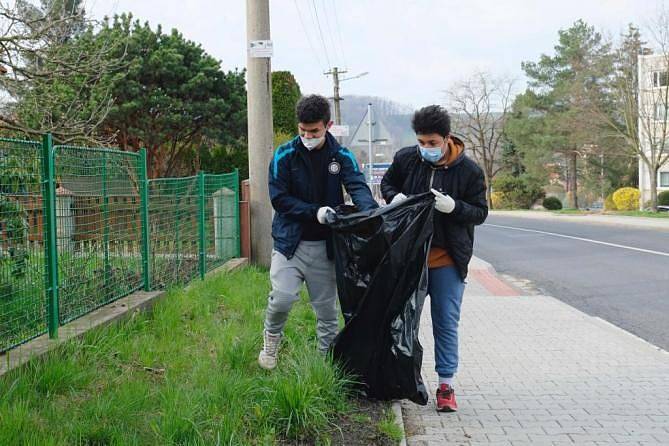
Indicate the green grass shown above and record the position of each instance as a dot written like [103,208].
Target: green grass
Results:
[597,212]
[389,427]
[640,214]
[185,374]
[623,213]
[573,212]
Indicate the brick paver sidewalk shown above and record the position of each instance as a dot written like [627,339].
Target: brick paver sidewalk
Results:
[535,371]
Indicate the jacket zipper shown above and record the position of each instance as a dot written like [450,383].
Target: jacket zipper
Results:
[431,180]
[307,162]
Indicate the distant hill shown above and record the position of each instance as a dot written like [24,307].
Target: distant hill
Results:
[394,125]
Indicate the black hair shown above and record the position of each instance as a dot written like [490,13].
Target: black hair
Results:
[431,119]
[313,108]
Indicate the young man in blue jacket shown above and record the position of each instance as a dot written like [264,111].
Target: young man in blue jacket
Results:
[306,176]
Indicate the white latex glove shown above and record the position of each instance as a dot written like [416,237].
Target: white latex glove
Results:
[397,198]
[322,213]
[443,203]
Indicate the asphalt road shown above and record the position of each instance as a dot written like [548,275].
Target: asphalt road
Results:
[618,274]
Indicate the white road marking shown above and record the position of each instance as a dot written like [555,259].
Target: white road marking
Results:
[598,242]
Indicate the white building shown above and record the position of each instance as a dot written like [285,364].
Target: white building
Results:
[653,106]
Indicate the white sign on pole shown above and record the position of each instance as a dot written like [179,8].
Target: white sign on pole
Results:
[339,130]
[261,48]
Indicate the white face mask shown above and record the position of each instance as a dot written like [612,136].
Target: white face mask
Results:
[311,143]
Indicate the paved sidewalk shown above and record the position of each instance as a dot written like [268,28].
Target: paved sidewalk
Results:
[601,219]
[535,371]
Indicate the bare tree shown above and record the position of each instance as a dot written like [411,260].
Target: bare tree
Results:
[55,71]
[480,106]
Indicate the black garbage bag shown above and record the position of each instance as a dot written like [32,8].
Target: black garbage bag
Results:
[381,263]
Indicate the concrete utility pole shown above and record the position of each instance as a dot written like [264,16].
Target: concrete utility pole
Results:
[260,131]
[335,72]
[336,99]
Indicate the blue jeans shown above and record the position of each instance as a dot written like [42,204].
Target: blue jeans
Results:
[445,288]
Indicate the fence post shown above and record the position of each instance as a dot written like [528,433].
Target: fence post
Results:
[237,223]
[50,240]
[144,217]
[177,234]
[201,216]
[105,218]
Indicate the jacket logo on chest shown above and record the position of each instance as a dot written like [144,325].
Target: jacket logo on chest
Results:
[334,167]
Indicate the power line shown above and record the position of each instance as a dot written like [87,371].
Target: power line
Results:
[341,44]
[330,33]
[320,32]
[307,34]
[357,128]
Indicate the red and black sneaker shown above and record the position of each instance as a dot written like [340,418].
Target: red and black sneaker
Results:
[446,399]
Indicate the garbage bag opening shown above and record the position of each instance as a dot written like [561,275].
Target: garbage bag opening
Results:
[381,264]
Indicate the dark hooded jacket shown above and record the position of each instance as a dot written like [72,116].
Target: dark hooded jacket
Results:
[461,178]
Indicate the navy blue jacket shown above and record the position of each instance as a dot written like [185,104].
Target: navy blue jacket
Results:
[292,196]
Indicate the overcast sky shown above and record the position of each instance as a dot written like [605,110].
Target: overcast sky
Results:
[412,49]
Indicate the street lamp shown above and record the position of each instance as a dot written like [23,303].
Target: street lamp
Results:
[354,77]
[370,142]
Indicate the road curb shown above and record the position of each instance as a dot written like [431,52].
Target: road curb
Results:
[619,221]
[399,420]
[608,324]
[477,263]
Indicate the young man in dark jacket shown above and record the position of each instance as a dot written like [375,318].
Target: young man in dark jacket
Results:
[438,164]
[306,176]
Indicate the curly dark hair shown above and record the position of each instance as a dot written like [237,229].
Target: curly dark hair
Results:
[313,108]
[431,119]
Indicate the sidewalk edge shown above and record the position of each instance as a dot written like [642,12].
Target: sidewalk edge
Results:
[608,324]
[596,319]
[648,223]
[477,263]
[399,420]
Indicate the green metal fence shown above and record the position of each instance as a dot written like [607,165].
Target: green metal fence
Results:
[194,225]
[23,314]
[173,223]
[98,228]
[81,227]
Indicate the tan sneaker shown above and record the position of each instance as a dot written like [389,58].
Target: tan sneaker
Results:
[268,355]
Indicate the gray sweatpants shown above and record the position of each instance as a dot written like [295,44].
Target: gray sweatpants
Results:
[310,264]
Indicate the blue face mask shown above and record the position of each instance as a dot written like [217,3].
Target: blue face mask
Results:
[431,154]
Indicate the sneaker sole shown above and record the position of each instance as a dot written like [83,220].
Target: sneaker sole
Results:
[446,409]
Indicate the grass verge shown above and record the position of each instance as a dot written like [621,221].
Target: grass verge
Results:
[640,214]
[185,374]
[599,212]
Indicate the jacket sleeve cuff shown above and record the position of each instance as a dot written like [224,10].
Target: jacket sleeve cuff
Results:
[314,212]
[458,207]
